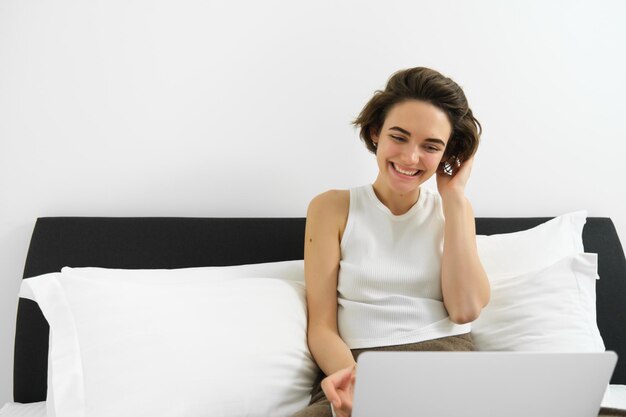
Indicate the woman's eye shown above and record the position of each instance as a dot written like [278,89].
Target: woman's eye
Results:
[397,138]
[432,149]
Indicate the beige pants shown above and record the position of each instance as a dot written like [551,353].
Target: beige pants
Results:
[320,406]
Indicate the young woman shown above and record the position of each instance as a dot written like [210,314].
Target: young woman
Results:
[392,265]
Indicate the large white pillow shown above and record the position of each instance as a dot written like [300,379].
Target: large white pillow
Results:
[128,344]
[285,270]
[551,309]
[532,249]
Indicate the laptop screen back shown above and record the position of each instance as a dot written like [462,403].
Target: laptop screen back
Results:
[480,384]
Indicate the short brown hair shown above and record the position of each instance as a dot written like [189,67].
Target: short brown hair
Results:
[430,86]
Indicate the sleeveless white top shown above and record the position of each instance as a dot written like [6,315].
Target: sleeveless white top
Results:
[389,283]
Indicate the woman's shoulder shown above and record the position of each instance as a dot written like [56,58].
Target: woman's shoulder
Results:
[331,201]
[330,210]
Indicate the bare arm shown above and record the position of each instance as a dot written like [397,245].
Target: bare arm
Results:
[325,215]
[464,283]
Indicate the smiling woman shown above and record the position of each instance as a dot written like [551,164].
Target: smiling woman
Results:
[390,265]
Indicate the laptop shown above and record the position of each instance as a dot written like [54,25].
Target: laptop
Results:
[481,384]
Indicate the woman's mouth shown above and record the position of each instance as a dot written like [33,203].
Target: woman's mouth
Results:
[404,172]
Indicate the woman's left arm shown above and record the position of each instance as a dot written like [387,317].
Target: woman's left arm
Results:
[464,283]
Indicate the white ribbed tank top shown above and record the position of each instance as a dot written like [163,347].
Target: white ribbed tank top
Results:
[389,283]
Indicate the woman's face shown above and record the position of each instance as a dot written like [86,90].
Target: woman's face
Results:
[410,145]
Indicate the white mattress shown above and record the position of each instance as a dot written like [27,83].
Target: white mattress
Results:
[24,410]
[615,397]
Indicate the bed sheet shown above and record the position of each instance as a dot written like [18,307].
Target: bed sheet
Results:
[615,398]
[24,410]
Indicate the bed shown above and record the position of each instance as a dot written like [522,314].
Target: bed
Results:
[174,243]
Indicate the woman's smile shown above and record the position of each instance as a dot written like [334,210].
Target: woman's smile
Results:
[405,172]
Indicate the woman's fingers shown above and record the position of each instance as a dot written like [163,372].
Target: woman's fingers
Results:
[339,388]
[330,391]
[455,183]
[331,386]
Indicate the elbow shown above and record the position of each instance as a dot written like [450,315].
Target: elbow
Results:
[465,315]
[467,310]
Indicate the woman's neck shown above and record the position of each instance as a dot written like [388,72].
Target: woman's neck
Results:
[397,203]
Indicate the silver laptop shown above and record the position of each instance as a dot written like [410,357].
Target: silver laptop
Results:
[481,384]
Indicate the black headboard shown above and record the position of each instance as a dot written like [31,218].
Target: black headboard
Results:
[116,242]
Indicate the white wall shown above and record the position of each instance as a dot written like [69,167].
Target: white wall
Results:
[218,108]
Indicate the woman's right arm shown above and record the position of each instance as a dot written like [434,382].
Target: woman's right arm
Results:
[326,218]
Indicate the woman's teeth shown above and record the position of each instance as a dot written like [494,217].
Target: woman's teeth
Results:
[401,171]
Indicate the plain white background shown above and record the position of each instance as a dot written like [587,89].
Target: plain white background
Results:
[243,108]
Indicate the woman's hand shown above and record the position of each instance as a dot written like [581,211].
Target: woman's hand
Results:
[339,389]
[454,184]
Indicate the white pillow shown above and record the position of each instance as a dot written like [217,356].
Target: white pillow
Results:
[552,309]
[532,249]
[185,346]
[285,270]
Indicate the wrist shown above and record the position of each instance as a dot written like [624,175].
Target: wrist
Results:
[453,197]
[454,207]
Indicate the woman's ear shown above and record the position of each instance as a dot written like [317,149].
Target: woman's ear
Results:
[374,136]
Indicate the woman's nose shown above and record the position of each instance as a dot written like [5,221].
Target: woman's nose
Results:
[412,154]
